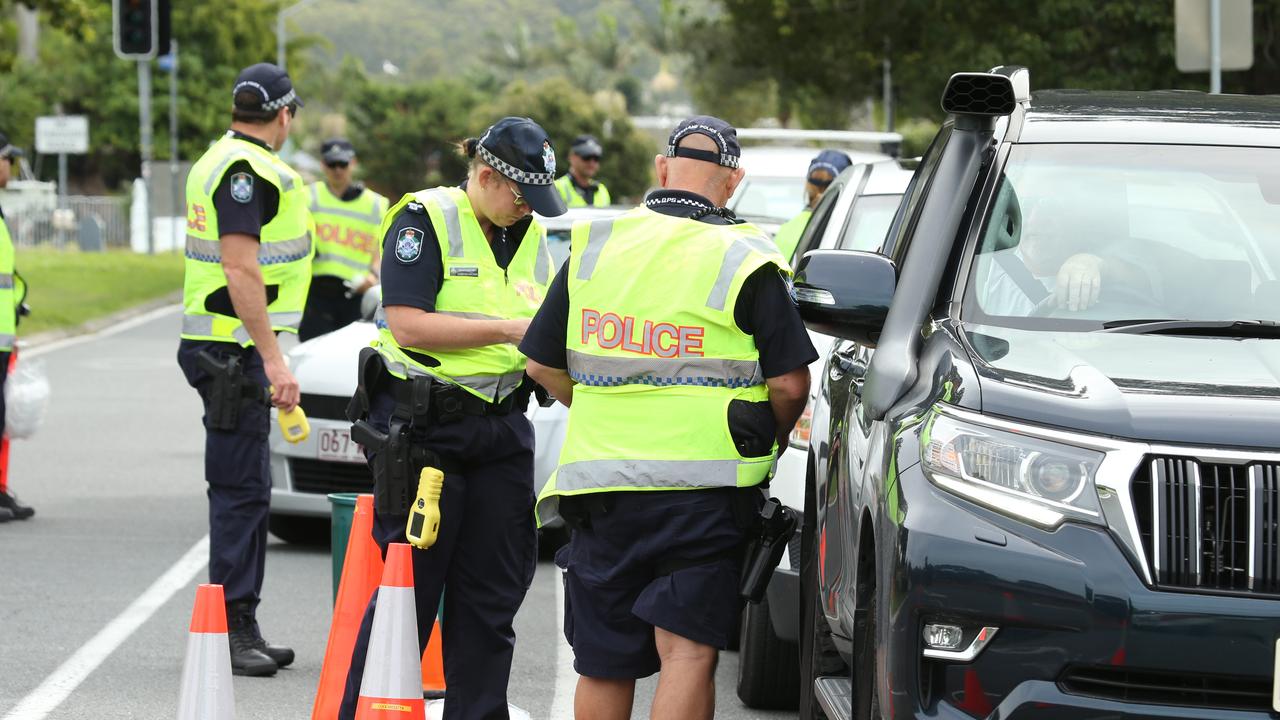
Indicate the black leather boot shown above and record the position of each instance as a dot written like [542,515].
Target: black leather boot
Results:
[246,657]
[281,654]
[9,501]
[5,514]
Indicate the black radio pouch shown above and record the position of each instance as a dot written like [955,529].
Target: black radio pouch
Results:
[229,391]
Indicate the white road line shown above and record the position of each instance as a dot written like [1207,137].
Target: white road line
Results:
[63,681]
[566,676]
[129,324]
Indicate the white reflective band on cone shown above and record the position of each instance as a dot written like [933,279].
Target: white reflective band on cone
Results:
[393,666]
[206,679]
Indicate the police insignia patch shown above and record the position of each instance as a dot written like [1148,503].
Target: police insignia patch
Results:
[791,287]
[242,187]
[409,245]
[548,158]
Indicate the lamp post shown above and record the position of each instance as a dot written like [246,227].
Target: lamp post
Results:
[280,29]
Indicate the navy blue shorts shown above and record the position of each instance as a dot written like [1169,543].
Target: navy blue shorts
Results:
[616,592]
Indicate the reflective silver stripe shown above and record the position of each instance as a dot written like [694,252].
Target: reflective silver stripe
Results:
[203,324]
[315,198]
[282,170]
[204,250]
[7,340]
[542,266]
[597,235]
[197,324]
[373,217]
[452,227]
[704,372]
[608,474]
[289,320]
[341,260]
[241,334]
[734,257]
[6,281]
[285,251]
[493,386]
[468,315]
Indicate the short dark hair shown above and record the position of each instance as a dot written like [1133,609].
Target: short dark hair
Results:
[254,116]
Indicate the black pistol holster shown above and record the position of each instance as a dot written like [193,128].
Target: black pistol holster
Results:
[397,459]
[230,391]
[776,524]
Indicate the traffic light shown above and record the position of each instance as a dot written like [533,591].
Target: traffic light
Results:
[136,26]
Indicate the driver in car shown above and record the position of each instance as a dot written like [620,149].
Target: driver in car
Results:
[1060,262]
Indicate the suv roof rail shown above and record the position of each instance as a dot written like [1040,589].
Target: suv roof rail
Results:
[990,94]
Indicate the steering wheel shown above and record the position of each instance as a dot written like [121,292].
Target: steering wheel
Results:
[1112,295]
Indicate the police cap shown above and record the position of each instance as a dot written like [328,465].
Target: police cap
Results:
[519,149]
[337,150]
[725,135]
[833,161]
[586,146]
[264,88]
[8,149]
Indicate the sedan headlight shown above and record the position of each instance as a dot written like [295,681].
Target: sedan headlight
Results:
[1029,478]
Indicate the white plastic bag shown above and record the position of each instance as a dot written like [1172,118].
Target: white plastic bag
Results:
[26,397]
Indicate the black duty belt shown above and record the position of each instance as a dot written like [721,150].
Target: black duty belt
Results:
[449,402]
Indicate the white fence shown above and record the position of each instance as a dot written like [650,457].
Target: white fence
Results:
[87,222]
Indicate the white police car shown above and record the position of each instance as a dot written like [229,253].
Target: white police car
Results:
[329,461]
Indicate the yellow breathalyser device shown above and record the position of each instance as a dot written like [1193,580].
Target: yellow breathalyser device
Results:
[424,515]
[293,424]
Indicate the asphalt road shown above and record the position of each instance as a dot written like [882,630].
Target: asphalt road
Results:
[96,591]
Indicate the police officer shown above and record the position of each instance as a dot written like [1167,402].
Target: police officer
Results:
[578,187]
[248,264]
[823,169]
[464,269]
[347,217]
[684,380]
[10,298]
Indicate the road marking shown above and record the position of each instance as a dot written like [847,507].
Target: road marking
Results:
[566,676]
[63,681]
[129,324]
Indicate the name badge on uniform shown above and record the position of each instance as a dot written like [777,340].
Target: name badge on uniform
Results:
[464,271]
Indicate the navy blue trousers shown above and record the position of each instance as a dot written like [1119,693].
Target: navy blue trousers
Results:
[483,558]
[237,470]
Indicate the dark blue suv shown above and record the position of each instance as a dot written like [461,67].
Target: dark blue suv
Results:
[1045,462]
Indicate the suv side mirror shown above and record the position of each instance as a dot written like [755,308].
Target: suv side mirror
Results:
[846,293]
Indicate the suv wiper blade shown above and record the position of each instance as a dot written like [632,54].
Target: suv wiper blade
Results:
[1214,328]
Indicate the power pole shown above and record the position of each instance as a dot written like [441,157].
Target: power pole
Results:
[144,134]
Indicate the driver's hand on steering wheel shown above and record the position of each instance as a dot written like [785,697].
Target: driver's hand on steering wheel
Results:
[1078,283]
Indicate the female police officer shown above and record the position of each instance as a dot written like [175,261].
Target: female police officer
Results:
[464,270]
[823,169]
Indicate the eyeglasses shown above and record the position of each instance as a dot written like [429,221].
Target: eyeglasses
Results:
[519,198]
[293,109]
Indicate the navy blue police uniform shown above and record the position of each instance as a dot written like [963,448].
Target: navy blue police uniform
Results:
[485,553]
[642,562]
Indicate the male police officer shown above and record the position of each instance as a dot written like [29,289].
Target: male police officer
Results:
[347,216]
[683,379]
[10,508]
[578,187]
[247,270]
[464,269]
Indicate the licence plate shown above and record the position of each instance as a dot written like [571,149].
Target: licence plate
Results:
[336,444]
[1275,683]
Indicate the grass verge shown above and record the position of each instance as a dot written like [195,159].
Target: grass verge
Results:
[68,288]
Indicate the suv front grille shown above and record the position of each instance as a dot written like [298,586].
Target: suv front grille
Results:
[1210,525]
[328,407]
[1164,688]
[317,476]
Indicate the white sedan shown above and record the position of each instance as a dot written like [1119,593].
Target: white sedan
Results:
[329,461]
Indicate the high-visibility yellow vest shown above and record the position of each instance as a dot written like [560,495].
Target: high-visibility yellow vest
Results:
[573,198]
[284,251]
[346,232]
[8,296]
[657,356]
[474,286]
[788,236]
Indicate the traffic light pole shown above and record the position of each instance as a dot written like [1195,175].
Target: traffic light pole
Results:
[144,135]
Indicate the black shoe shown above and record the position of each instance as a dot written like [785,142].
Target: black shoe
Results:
[9,501]
[5,514]
[246,657]
[281,654]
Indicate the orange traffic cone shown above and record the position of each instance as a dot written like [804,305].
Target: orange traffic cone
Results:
[206,673]
[361,569]
[392,682]
[433,666]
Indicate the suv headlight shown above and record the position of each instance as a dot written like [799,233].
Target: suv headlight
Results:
[1030,478]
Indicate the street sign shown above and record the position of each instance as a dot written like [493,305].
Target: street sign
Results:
[62,135]
[1192,40]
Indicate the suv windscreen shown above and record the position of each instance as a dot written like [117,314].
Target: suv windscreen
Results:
[869,223]
[1081,237]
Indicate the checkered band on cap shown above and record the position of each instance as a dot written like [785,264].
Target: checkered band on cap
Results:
[281,102]
[729,161]
[509,170]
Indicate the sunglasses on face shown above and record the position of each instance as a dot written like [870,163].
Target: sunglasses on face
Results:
[293,110]
[591,158]
[337,165]
[516,195]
